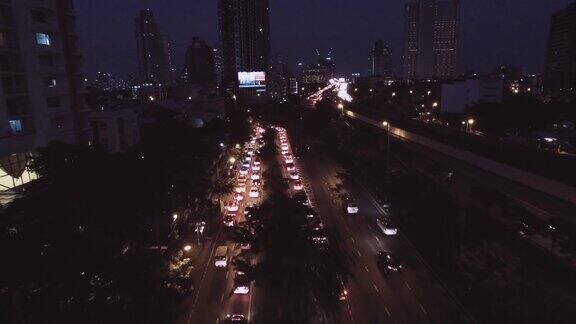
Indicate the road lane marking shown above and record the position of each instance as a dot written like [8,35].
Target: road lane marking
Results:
[375,288]
[422,308]
[217,320]
[365,267]
[227,273]
[407,285]
[377,239]
[222,298]
[387,311]
[359,254]
[352,239]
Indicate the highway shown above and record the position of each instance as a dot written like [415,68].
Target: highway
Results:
[412,296]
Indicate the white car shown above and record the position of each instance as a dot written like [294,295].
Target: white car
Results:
[386,227]
[298,185]
[256,161]
[229,220]
[284,146]
[242,179]
[294,176]
[288,159]
[232,207]
[246,164]
[284,152]
[352,208]
[255,176]
[290,166]
[256,167]
[241,284]
[239,197]
[244,171]
[254,193]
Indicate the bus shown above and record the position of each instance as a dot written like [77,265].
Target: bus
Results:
[221,257]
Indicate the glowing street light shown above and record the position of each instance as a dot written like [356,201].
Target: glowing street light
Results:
[232,160]
[470,121]
[393,94]
[187,248]
[234,97]
[151,98]
[340,106]
[385,123]
[429,92]
[175,216]
[434,104]
[237,146]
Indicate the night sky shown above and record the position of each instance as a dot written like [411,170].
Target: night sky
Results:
[494,31]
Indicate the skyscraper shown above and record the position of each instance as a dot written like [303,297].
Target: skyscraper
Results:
[200,63]
[153,50]
[431,39]
[41,98]
[381,60]
[560,69]
[245,37]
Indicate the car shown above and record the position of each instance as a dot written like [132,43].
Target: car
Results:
[256,183]
[352,208]
[256,167]
[386,226]
[243,171]
[241,187]
[387,263]
[236,319]
[294,176]
[284,146]
[200,227]
[255,176]
[232,206]
[241,284]
[288,158]
[284,152]
[245,246]
[242,179]
[298,185]
[239,197]
[250,152]
[319,237]
[254,193]
[343,291]
[229,220]
[290,166]
[257,161]
[245,164]
[248,158]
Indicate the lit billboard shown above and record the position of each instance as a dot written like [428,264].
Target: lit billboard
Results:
[256,80]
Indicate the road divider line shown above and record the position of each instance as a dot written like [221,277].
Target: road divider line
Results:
[365,267]
[387,311]
[375,288]
[422,309]
[407,285]
[359,254]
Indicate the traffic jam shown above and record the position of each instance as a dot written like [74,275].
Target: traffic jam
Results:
[247,193]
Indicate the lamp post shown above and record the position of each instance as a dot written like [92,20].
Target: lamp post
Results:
[387,126]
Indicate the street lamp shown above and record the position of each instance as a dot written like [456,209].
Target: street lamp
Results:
[175,217]
[386,124]
[232,160]
[234,97]
[187,248]
[340,106]
[393,94]
[434,104]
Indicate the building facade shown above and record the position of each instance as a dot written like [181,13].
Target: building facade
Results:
[381,60]
[200,63]
[245,38]
[560,68]
[153,50]
[42,93]
[431,39]
[456,96]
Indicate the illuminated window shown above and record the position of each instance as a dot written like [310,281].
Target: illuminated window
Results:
[50,82]
[42,39]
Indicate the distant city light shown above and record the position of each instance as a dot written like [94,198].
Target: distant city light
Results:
[435,104]
[151,98]
[187,248]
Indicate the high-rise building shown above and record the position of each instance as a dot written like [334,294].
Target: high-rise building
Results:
[42,93]
[431,39]
[218,65]
[153,50]
[245,38]
[381,60]
[200,63]
[560,70]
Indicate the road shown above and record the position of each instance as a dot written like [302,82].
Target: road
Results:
[213,298]
[412,296]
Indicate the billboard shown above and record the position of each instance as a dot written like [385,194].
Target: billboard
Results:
[256,80]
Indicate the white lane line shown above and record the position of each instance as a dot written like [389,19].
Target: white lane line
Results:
[250,302]
[227,272]
[377,239]
[217,320]
[407,285]
[387,311]
[352,239]
[359,254]
[422,308]
[375,288]
[365,267]
[222,298]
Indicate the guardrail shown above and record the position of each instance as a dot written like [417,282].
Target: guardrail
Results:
[530,180]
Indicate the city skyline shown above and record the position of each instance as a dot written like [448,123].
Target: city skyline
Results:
[501,38]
